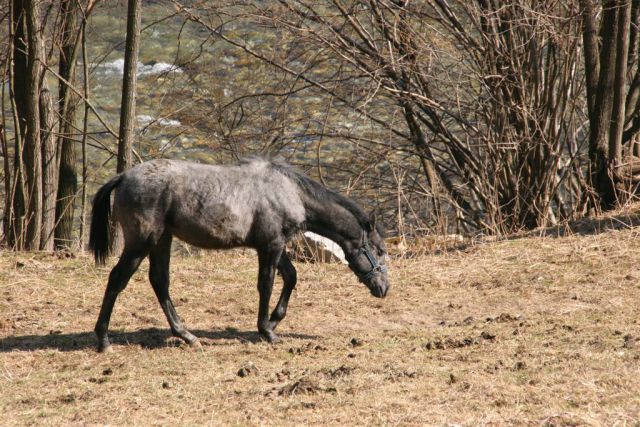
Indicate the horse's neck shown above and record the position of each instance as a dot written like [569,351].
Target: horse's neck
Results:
[332,221]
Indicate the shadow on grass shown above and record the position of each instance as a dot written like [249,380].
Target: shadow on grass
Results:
[591,226]
[442,245]
[149,338]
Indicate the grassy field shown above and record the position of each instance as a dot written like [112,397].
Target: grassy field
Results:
[528,331]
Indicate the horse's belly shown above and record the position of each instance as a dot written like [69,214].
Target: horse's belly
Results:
[214,229]
[208,241]
[208,238]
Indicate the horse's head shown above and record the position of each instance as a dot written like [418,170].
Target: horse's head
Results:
[367,259]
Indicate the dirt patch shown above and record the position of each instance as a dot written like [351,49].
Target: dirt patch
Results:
[400,374]
[630,342]
[504,318]
[303,386]
[309,347]
[72,398]
[452,342]
[339,372]
[247,370]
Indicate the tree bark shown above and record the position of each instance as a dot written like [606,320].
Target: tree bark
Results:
[6,212]
[591,54]
[49,169]
[128,106]
[32,158]
[68,181]
[15,218]
[601,178]
[618,114]
[85,124]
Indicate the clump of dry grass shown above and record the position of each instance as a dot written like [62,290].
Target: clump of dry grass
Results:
[537,330]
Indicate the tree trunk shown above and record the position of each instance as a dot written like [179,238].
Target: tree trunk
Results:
[15,227]
[7,176]
[602,180]
[618,114]
[68,181]
[591,54]
[128,106]
[49,169]
[85,124]
[31,116]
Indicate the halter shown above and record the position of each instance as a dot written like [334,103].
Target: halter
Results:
[365,249]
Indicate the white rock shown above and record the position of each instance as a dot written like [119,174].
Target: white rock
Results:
[312,247]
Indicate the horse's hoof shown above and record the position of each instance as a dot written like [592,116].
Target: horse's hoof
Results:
[195,344]
[274,339]
[105,349]
[271,338]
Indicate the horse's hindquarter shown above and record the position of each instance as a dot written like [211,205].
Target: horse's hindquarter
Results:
[141,201]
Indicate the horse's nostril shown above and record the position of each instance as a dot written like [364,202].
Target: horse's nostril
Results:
[378,291]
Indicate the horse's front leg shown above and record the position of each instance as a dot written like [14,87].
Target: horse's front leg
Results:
[159,258]
[267,261]
[290,278]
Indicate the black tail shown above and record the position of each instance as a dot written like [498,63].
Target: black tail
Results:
[100,217]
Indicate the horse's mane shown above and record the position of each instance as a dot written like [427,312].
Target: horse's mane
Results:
[320,192]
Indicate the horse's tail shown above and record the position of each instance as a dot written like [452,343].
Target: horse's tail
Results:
[100,217]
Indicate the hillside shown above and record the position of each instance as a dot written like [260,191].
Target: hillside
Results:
[532,330]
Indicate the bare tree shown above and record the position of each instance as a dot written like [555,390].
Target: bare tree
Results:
[49,169]
[16,194]
[489,96]
[613,88]
[128,105]
[31,185]
[477,116]
[28,55]
[68,181]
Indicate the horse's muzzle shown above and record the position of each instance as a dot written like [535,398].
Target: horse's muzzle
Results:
[379,291]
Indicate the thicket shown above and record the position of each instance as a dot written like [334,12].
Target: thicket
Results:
[478,116]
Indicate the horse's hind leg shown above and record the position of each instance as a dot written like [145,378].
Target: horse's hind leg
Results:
[267,260]
[289,277]
[118,278]
[159,258]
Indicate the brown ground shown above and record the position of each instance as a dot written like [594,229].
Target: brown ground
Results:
[526,331]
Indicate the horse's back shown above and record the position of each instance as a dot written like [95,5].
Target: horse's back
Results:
[212,206]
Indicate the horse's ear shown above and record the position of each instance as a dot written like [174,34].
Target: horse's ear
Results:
[372,221]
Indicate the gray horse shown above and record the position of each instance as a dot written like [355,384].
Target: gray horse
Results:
[258,203]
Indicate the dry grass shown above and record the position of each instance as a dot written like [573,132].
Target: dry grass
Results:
[527,331]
